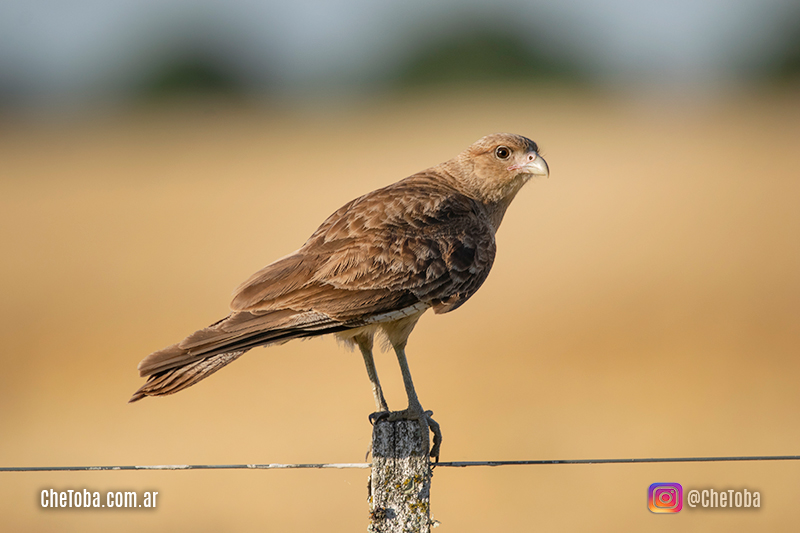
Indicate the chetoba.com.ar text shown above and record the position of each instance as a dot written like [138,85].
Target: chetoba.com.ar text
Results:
[77,498]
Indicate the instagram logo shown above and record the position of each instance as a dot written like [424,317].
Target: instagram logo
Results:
[665,497]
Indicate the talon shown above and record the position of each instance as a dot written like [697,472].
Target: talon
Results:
[437,437]
[378,416]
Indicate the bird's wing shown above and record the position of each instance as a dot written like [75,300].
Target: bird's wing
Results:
[414,241]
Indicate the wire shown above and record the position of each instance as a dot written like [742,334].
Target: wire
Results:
[623,461]
[183,467]
[457,464]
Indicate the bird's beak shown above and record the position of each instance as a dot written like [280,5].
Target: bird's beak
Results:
[533,164]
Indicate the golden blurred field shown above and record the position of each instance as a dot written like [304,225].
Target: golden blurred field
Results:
[645,302]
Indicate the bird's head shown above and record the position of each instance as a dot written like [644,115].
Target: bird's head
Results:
[495,168]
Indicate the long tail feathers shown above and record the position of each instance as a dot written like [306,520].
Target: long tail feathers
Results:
[176,379]
[205,351]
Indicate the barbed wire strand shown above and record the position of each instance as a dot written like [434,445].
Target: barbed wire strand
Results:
[457,464]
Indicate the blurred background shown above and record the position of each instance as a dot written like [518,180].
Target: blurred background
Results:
[645,300]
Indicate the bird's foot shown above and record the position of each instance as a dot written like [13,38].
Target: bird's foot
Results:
[377,416]
[414,413]
[437,436]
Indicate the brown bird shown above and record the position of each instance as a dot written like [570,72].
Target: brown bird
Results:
[374,266]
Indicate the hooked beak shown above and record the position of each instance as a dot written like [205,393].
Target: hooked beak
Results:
[534,164]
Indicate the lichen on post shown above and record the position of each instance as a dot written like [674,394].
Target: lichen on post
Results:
[400,482]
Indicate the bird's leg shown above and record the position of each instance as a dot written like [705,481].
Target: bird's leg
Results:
[414,411]
[365,345]
[413,402]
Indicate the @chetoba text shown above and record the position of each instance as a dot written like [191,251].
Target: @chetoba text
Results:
[668,498]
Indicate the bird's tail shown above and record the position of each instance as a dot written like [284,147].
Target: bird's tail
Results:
[176,379]
[205,351]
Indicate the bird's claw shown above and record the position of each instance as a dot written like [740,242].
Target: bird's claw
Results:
[377,416]
[437,436]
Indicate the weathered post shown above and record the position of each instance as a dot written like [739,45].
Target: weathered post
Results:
[400,482]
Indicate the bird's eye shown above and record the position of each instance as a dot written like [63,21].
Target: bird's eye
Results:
[502,152]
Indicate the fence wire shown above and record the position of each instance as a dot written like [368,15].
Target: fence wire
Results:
[445,464]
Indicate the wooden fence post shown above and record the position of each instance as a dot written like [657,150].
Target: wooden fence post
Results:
[400,482]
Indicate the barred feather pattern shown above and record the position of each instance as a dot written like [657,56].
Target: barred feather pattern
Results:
[176,379]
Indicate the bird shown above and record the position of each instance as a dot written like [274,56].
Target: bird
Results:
[372,268]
